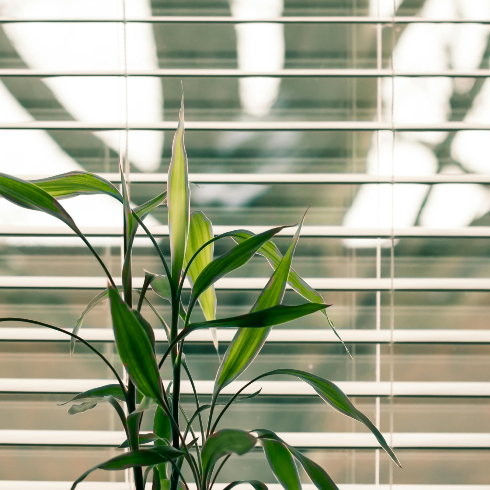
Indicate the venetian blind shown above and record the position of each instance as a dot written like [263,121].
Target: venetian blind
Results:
[375,113]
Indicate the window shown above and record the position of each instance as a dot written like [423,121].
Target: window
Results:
[333,105]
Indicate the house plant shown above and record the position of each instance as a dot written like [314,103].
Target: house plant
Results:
[173,442]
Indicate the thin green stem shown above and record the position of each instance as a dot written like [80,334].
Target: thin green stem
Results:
[196,398]
[158,249]
[218,470]
[93,349]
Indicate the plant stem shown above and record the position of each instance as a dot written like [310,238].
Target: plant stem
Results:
[176,361]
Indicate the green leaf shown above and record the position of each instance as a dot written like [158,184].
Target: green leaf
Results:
[336,398]
[178,200]
[135,349]
[161,285]
[142,457]
[126,274]
[228,262]
[247,343]
[99,393]
[269,317]
[225,442]
[102,296]
[200,232]
[165,484]
[30,196]
[143,438]
[161,426]
[273,256]
[258,485]
[77,183]
[282,464]
[82,407]
[317,474]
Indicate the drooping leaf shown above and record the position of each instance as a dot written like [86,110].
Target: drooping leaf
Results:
[165,484]
[30,196]
[82,407]
[200,232]
[247,343]
[258,485]
[225,442]
[135,349]
[99,393]
[228,262]
[273,256]
[142,457]
[77,183]
[178,199]
[336,398]
[317,474]
[102,296]
[282,464]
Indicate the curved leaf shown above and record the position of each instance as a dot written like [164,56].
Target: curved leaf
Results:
[135,348]
[178,199]
[247,343]
[336,398]
[273,256]
[30,196]
[142,457]
[77,183]
[269,317]
[282,464]
[99,393]
[82,407]
[228,262]
[143,438]
[200,232]
[258,485]
[317,474]
[225,442]
[102,296]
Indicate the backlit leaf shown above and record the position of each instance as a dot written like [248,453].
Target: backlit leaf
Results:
[200,232]
[230,261]
[247,343]
[178,199]
[77,183]
[98,393]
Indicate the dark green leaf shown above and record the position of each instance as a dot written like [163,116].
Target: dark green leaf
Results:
[135,349]
[178,199]
[77,183]
[142,457]
[247,343]
[161,426]
[200,232]
[99,393]
[230,261]
[258,485]
[225,442]
[336,398]
[317,474]
[143,438]
[282,464]
[258,319]
[126,274]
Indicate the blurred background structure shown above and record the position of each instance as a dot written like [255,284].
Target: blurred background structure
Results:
[376,113]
